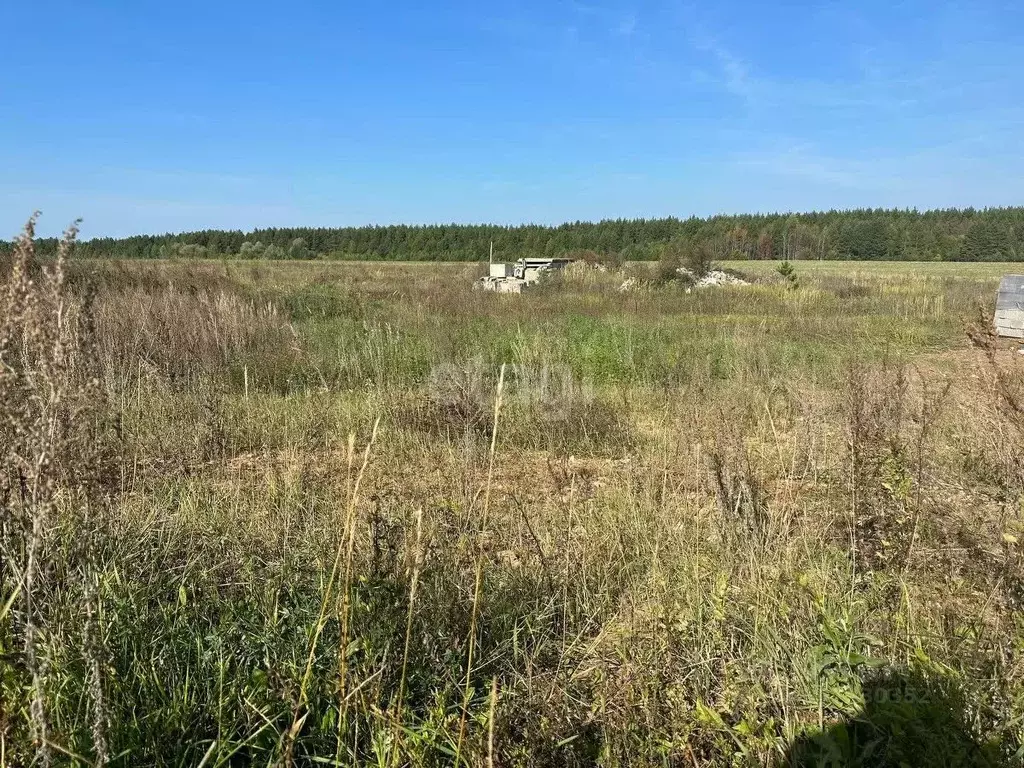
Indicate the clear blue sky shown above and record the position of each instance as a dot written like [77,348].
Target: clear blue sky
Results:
[148,116]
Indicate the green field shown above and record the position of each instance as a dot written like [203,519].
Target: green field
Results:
[980,270]
[359,513]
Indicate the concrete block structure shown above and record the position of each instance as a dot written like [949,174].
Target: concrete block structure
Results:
[512,278]
[1009,318]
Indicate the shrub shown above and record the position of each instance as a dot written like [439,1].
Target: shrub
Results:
[669,263]
[683,261]
[697,257]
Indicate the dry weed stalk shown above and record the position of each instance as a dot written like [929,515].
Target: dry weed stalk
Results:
[478,579]
[413,584]
[346,545]
[47,453]
[876,409]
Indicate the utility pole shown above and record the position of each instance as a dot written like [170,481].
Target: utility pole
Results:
[490,258]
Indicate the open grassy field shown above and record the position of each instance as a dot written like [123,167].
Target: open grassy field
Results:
[350,514]
[978,270]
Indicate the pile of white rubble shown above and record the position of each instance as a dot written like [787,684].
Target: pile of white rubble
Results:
[711,278]
[714,277]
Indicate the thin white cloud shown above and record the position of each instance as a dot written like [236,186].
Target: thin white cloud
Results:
[938,175]
[758,90]
[732,70]
[937,75]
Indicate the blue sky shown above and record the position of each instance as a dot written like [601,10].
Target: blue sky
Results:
[150,117]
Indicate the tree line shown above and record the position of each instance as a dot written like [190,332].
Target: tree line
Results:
[991,234]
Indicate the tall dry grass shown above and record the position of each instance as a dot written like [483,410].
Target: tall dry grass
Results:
[743,527]
[57,462]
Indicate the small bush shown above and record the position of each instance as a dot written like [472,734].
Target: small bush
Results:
[667,270]
[683,261]
[697,257]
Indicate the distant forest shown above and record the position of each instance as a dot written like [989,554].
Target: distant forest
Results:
[992,234]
